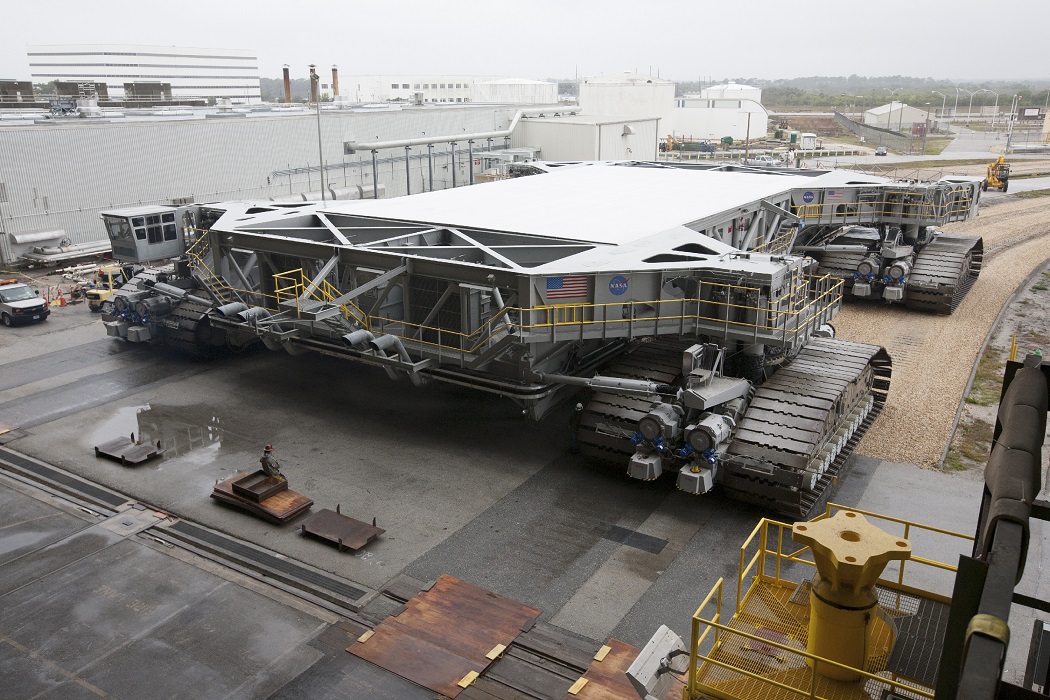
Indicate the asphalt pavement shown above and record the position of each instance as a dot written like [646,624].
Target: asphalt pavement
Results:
[461,482]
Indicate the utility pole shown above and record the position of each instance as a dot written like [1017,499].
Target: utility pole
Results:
[317,95]
[747,139]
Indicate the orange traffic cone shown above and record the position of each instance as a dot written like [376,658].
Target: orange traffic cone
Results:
[60,301]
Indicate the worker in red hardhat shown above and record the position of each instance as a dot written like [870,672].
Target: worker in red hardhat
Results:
[270,466]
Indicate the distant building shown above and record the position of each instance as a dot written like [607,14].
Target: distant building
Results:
[627,95]
[722,110]
[16,91]
[362,89]
[896,116]
[730,109]
[134,71]
[518,91]
[589,137]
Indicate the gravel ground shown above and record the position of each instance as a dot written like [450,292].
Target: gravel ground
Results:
[933,356]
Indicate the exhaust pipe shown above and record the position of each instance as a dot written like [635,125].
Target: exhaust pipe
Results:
[358,340]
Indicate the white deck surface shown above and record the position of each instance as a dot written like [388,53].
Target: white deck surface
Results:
[603,205]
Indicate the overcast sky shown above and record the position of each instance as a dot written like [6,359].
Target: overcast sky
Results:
[683,40]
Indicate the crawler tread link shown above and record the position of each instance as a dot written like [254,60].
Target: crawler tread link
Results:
[801,425]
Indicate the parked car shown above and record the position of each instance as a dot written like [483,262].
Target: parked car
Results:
[880,151]
[768,161]
[19,303]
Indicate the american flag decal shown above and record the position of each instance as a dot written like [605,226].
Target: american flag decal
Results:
[567,287]
[832,195]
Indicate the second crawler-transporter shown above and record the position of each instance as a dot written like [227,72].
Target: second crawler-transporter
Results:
[701,358]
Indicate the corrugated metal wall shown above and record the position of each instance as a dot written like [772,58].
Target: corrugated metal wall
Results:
[559,140]
[61,176]
[569,140]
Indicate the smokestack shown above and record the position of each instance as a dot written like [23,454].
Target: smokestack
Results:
[313,83]
[335,81]
[287,85]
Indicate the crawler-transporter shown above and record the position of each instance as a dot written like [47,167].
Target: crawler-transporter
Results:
[667,295]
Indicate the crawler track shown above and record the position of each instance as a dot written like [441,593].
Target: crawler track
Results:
[795,437]
[944,272]
[608,419]
[803,424]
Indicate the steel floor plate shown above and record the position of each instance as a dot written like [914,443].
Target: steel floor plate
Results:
[444,634]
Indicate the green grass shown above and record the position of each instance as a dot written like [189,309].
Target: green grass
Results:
[970,448]
[988,382]
[934,147]
[1033,194]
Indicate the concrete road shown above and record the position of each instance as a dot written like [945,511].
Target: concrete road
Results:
[460,481]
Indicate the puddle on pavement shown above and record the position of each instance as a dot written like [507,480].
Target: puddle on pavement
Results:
[193,433]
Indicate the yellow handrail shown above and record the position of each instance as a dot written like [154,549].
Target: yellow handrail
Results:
[754,566]
[728,305]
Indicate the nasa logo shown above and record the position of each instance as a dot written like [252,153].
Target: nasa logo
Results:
[618,285]
[807,197]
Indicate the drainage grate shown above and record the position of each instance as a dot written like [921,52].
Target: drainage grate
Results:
[297,575]
[67,483]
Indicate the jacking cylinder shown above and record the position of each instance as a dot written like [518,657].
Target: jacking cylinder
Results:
[845,623]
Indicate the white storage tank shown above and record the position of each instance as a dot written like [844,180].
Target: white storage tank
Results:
[627,95]
[516,91]
[732,91]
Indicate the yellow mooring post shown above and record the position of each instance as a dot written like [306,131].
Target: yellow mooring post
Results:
[845,623]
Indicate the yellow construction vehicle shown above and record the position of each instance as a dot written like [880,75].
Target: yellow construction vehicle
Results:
[106,280]
[998,175]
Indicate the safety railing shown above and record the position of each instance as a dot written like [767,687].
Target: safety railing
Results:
[779,244]
[292,286]
[197,254]
[740,309]
[908,207]
[763,560]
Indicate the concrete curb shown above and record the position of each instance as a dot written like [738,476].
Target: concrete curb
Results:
[980,353]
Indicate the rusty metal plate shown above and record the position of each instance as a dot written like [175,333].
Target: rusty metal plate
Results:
[607,679]
[257,486]
[279,509]
[341,530]
[445,633]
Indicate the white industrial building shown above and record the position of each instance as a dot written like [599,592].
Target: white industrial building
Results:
[627,95]
[518,91]
[731,109]
[722,110]
[590,137]
[191,72]
[896,116]
[56,175]
[362,89]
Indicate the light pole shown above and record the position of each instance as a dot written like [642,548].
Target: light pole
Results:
[971,102]
[944,98]
[925,128]
[320,152]
[995,110]
[889,117]
[1015,103]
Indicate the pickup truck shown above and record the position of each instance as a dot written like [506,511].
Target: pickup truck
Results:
[768,161]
